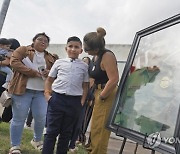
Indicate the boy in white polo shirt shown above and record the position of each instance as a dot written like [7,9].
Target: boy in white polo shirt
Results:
[65,89]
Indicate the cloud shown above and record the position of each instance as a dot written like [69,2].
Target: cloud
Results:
[61,18]
[132,16]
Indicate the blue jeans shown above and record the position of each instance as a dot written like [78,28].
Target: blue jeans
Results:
[21,104]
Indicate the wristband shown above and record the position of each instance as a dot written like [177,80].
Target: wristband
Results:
[47,92]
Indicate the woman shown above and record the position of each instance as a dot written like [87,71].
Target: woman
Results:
[105,73]
[27,87]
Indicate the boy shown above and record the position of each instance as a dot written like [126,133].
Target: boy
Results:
[5,53]
[69,80]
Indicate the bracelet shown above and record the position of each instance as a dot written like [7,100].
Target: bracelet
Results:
[47,92]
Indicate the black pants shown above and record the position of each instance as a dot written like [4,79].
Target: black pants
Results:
[77,129]
[81,125]
[29,118]
[7,114]
[63,111]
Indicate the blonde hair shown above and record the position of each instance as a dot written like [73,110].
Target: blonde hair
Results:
[95,40]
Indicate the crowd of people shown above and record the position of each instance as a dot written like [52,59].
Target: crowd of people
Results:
[60,94]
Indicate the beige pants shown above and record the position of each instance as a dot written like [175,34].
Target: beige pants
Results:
[99,134]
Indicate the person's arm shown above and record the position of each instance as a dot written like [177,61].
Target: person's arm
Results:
[9,54]
[17,65]
[48,89]
[5,62]
[85,91]
[109,64]
[45,73]
[91,82]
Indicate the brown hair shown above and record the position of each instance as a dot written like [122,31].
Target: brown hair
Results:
[95,40]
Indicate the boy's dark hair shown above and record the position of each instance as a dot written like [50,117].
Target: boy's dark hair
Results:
[41,34]
[74,38]
[4,41]
[14,43]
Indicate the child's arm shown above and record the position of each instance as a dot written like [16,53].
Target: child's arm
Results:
[48,89]
[85,91]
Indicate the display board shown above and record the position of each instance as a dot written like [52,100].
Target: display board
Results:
[146,108]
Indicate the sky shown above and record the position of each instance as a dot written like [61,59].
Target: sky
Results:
[60,19]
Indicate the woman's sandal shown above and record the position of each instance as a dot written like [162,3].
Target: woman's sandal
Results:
[15,150]
[37,145]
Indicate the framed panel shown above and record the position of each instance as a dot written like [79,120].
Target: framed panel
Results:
[146,108]
[121,65]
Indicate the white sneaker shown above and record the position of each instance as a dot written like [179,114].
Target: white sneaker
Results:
[15,149]
[78,143]
[73,150]
[5,85]
[44,131]
[37,145]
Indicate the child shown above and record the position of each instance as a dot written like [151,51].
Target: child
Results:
[69,80]
[6,53]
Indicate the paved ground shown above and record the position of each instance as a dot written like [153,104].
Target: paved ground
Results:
[116,142]
[115,145]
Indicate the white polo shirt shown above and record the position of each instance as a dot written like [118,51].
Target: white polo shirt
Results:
[69,76]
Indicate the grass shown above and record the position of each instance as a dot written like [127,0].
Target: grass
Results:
[25,142]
